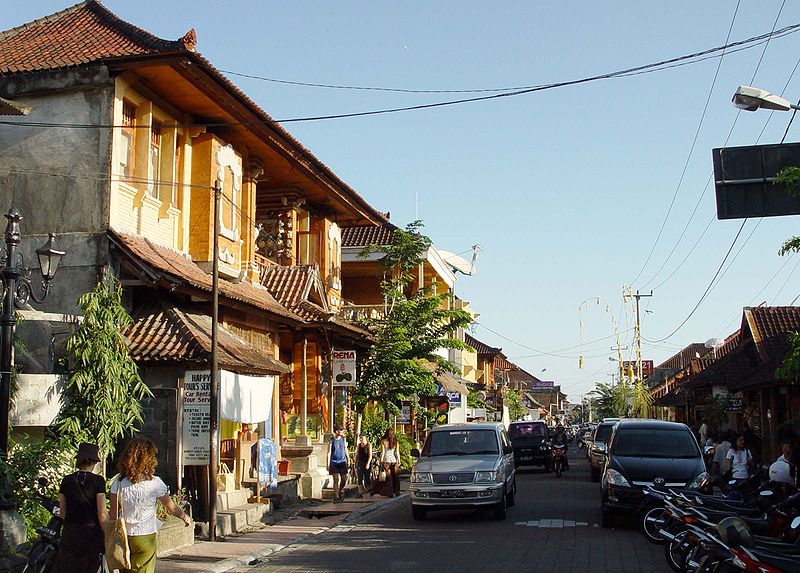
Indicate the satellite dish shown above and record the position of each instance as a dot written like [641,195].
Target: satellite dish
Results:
[714,343]
[459,263]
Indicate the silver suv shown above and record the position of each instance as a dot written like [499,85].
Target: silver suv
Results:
[464,466]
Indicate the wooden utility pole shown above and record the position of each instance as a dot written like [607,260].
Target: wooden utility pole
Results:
[638,333]
[213,458]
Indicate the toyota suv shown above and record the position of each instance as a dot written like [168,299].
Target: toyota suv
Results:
[596,448]
[644,453]
[464,466]
[530,444]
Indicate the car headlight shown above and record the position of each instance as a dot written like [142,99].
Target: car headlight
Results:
[615,478]
[487,477]
[421,477]
[698,480]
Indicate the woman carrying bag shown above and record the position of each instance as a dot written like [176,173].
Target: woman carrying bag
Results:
[133,498]
[82,502]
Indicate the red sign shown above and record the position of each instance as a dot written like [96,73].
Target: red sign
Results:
[630,365]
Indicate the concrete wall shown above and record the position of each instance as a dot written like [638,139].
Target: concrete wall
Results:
[161,419]
[59,177]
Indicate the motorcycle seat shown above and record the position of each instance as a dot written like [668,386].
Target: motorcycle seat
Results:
[785,563]
[772,545]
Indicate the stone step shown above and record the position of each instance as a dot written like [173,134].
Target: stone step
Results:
[349,490]
[233,498]
[240,518]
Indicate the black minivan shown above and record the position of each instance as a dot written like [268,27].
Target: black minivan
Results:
[643,453]
[529,439]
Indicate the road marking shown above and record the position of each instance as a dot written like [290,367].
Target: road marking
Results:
[552,523]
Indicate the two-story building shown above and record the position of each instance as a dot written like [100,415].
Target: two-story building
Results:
[127,140]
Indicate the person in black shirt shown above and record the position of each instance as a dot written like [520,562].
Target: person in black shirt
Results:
[82,502]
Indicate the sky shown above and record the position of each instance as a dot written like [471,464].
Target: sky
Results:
[564,189]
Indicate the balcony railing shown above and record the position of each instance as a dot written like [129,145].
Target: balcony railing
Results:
[263,264]
[362,312]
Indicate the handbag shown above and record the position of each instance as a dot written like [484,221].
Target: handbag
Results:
[382,475]
[118,552]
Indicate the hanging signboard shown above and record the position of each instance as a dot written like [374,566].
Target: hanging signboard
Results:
[344,368]
[196,418]
[405,413]
[630,366]
[542,385]
[453,397]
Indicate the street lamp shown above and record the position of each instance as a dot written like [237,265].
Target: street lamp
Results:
[17,290]
[750,99]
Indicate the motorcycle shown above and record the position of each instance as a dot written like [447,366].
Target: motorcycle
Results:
[559,453]
[42,556]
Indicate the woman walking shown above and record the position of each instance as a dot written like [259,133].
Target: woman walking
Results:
[390,460]
[363,464]
[82,501]
[135,491]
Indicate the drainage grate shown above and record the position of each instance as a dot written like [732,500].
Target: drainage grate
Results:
[192,558]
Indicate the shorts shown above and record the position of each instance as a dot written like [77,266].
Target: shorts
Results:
[362,475]
[338,467]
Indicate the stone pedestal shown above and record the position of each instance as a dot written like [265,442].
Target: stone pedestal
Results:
[302,441]
[12,528]
[311,463]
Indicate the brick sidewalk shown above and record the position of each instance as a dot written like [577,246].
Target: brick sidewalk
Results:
[236,551]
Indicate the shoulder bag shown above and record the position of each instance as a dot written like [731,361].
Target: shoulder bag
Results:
[118,552]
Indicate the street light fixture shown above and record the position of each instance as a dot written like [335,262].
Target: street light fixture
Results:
[750,99]
[16,285]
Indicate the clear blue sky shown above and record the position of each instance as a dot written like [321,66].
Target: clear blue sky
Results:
[564,189]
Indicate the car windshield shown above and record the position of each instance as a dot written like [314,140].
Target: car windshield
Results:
[461,443]
[654,443]
[603,432]
[526,431]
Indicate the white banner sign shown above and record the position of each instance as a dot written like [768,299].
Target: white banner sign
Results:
[344,368]
[196,418]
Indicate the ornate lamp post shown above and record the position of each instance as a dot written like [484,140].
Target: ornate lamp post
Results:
[17,290]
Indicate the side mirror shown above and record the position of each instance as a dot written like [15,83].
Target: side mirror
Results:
[709,450]
[732,482]
[766,493]
[796,523]
[415,453]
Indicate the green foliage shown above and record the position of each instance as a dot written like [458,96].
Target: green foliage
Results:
[516,409]
[414,328]
[789,177]
[179,498]
[103,388]
[374,423]
[473,400]
[404,446]
[52,458]
[790,367]
[642,402]
[715,409]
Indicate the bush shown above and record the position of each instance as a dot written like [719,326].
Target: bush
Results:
[52,458]
[405,444]
[374,424]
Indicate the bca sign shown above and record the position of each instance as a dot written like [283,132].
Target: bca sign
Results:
[344,367]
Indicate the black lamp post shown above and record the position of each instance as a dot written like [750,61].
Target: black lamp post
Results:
[17,289]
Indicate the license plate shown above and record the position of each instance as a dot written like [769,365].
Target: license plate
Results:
[526,458]
[452,493]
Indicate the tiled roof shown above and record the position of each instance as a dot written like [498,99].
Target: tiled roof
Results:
[683,358]
[501,363]
[90,33]
[480,347]
[363,235]
[8,107]
[291,286]
[85,33]
[770,325]
[166,334]
[163,262]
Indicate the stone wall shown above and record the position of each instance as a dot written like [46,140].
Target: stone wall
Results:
[161,420]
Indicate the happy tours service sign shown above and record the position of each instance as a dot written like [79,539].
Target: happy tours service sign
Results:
[196,418]
[344,368]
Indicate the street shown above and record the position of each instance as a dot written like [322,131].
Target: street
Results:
[553,527]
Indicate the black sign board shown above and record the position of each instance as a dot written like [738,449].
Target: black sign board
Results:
[744,181]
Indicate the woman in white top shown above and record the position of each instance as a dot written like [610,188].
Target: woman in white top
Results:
[390,460]
[138,489]
[739,459]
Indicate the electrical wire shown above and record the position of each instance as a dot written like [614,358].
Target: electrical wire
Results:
[780,290]
[647,68]
[688,159]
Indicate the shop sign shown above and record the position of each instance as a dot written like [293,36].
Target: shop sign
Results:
[196,418]
[542,385]
[735,402]
[405,413]
[453,397]
[344,368]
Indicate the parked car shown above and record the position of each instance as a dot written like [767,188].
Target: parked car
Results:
[530,444]
[464,466]
[644,453]
[597,448]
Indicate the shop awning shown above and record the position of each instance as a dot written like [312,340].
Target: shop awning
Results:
[447,381]
[245,399]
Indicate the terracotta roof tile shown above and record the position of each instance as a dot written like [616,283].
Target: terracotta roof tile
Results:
[363,235]
[166,334]
[501,363]
[683,358]
[770,325]
[162,260]
[481,347]
[82,34]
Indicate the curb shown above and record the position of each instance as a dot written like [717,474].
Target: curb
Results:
[255,558]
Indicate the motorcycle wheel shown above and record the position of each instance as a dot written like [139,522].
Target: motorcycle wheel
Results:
[673,553]
[650,522]
[558,468]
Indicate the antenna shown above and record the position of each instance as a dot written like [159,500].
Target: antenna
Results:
[459,264]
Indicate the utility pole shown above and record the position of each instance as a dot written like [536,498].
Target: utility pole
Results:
[638,331]
[213,457]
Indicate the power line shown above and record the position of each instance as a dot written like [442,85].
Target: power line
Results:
[780,290]
[689,156]
[647,68]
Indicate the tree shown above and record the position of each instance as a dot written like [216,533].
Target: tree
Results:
[103,389]
[403,360]
[516,409]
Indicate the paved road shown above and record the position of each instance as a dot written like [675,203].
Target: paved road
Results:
[553,527]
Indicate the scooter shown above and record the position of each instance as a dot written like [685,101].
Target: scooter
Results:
[42,556]
[559,458]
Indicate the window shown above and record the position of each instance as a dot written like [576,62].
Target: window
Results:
[655,443]
[461,443]
[128,139]
[307,246]
[155,159]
